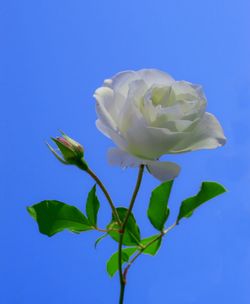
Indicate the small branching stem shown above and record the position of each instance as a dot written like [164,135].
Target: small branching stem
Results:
[161,235]
[105,230]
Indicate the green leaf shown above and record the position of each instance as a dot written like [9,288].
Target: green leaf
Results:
[112,264]
[158,210]
[92,206]
[54,216]
[100,239]
[132,232]
[208,191]
[154,247]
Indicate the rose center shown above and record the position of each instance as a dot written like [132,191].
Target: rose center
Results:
[163,96]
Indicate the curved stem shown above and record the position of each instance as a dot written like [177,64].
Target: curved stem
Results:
[123,227]
[104,190]
[132,202]
[161,235]
[122,280]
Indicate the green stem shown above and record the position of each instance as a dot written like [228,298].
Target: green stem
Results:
[105,230]
[104,190]
[122,291]
[161,235]
[123,227]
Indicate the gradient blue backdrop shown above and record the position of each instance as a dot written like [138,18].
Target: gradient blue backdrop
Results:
[53,55]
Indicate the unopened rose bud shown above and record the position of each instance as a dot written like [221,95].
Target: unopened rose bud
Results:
[72,152]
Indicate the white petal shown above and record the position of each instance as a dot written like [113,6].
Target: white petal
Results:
[102,128]
[163,170]
[185,90]
[120,82]
[105,96]
[207,134]
[117,157]
[154,76]
[130,112]
[150,143]
[104,101]
[110,133]
[111,100]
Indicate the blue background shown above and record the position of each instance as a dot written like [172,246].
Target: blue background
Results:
[53,55]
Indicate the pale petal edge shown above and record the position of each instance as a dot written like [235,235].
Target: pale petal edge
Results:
[207,135]
[120,158]
[163,171]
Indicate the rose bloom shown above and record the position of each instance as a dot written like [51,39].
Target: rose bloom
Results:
[148,114]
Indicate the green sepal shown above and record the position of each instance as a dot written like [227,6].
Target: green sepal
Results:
[71,152]
[82,164]
[57,155]
[67,152]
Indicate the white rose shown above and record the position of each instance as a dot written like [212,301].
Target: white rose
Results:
[148,114]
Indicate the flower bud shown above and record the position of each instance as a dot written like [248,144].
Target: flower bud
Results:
[71,151]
